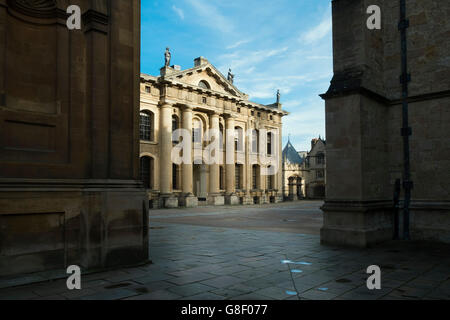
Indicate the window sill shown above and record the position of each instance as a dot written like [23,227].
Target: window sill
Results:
[149,142]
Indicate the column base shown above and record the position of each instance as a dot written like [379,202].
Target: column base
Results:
[232,200]
[216,200]
[248,200]
[169,201]
[188,201]
[357,223]
[80,224]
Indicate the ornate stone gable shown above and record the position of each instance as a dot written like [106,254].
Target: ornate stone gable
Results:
[207,77]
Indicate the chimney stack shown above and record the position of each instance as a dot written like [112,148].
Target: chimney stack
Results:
[200,61]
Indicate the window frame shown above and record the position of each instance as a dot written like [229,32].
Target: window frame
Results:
[146,128]
[147,171]
[238,176]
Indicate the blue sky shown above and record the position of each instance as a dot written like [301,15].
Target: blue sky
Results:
[269,45]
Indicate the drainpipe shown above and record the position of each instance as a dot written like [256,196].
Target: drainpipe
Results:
[406,130]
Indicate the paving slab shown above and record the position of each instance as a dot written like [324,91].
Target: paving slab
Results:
[210,253]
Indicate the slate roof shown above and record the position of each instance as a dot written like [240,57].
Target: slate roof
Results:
[291,155]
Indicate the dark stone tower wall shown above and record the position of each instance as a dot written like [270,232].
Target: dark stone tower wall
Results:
[69,144]
[363,121]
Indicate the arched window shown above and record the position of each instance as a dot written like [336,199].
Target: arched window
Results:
[239,139]
[255,141]
[175,126]
[222,132]
[269,143]
[255,176]
[175,176]
[146,126]
[203,84]
[221,178]
[197,131]
[147,172]
[299,187]
[270,178]
[238,176]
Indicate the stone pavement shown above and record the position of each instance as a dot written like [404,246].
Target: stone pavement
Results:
[234,253]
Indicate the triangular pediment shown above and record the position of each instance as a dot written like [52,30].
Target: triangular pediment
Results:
[209,75]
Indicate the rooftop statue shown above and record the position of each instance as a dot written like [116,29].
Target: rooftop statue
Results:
[167,56]
[230,76]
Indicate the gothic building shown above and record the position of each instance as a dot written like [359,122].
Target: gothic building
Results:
[314,170]
[293,183]
[199,99]
[304,172]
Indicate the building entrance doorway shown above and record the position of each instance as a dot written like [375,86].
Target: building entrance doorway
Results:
[200,181]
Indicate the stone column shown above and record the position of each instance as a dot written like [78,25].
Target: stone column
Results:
[188,199]
[230,183]
[203,191]
[215,197]
[165,143]
[279,178]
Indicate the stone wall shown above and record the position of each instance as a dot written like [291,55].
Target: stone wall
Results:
[69,145]
[363,121]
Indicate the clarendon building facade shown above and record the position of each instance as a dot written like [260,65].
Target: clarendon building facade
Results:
[304,172]
[199,99]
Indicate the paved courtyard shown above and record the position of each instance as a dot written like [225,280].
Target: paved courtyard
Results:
[257,253]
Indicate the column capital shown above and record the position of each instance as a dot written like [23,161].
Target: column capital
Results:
[214,113]
[229,116]
[164,104]
[186,108]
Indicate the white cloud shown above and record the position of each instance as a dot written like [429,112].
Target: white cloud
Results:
[306,121]
[318,32]
[300,69]
[249,58]
[238,44]
[179,12]
[319,57]
[210,16]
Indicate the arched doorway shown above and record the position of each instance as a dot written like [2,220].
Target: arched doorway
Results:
[147,172]
[299,188]
[200,181]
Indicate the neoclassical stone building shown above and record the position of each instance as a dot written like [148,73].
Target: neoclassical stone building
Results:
[199,99]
